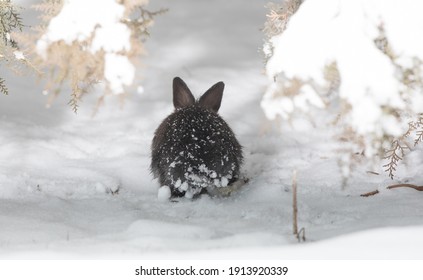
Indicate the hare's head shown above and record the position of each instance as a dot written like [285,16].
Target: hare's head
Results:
[182,96]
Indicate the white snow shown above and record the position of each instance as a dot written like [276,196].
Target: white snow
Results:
[307,96]
[118,71]
[112,38]
[19,55]
[164,194]
[343,31]
[78,20]
[77,186]
[224,182]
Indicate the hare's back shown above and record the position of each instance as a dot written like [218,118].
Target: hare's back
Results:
[201,149]
[201,132]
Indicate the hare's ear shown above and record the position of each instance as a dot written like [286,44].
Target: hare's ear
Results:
[182,96]
[213,97]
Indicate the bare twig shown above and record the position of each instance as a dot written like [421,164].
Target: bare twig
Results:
[369,193]
[417,188]
[294,203]
[301,235]
[419,138]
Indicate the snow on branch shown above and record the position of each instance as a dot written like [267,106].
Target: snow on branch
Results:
[360,58]
[85,43]
[10,20]
[394,155]
[10,53]
[277,20]
[401,145]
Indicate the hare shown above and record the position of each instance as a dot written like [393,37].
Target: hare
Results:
[194,150]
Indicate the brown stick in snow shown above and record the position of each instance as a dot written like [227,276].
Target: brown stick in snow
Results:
[294,202]
[417,188]
[369,193]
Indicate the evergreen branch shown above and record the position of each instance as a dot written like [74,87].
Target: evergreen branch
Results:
[394,157]
[73,102]
[397,151]
[419,138]
[412,126]
[15,19]
[139,25]
[9,21]
[3,87]
[147,15]
[279,15]
[72,65]
[48,9]
[419,133]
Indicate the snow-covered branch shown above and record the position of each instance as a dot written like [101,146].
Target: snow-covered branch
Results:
[362,58]
[84,45]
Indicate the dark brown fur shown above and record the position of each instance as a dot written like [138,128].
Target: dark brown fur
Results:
[193,148]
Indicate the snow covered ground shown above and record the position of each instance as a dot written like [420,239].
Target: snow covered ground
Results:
[77,186]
